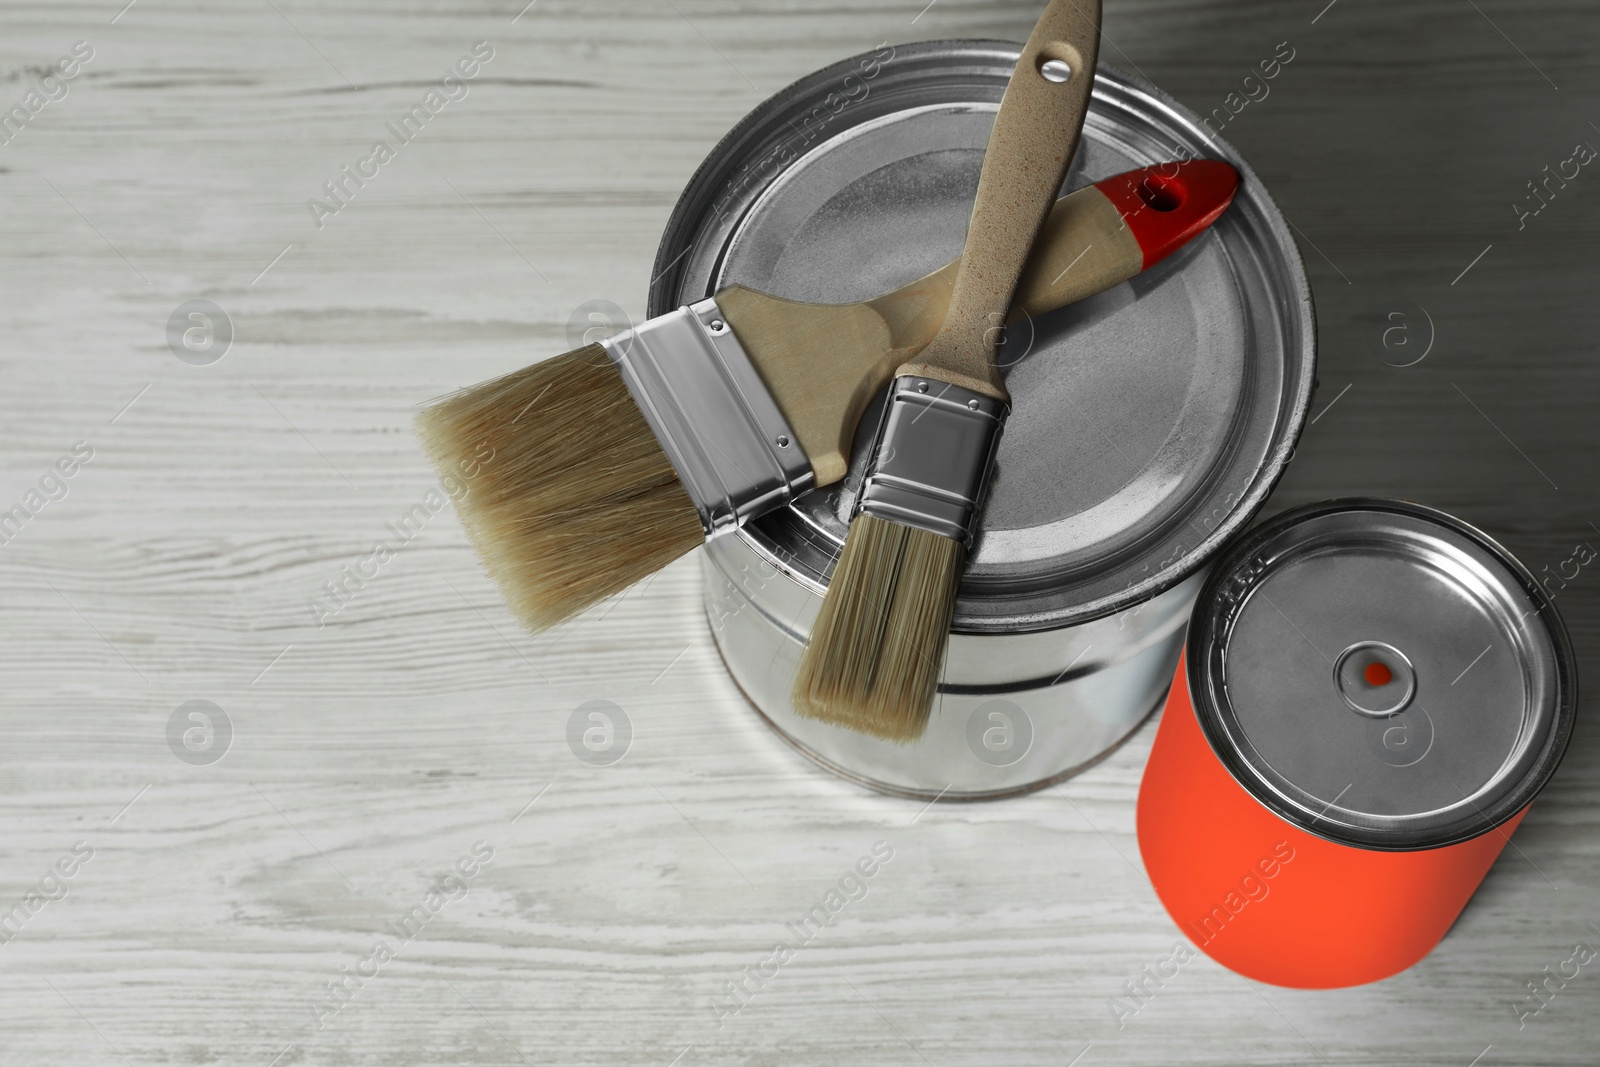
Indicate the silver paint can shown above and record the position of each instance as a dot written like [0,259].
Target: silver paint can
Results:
[1149,422]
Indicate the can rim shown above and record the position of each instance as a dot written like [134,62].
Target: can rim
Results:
[1205,682]
[723,162]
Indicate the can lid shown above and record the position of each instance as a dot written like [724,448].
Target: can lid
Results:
[1148,423]
[1381,674]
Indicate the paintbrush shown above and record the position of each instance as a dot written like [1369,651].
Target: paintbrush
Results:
[592,470]
[876,648]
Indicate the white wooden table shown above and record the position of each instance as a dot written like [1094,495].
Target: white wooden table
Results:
[371,753]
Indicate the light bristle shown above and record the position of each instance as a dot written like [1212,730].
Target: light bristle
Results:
[563,489]
[878,644]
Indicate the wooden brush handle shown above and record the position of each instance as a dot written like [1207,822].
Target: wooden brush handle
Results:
[1035,134]
[1083,248]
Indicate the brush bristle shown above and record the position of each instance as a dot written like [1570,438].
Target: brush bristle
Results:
[878,644]
[563,489]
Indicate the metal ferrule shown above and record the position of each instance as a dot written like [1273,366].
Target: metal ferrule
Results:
[710,410]
[936,448]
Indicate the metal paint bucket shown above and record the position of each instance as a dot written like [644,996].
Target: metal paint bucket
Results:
[1373,694]
[1150,422]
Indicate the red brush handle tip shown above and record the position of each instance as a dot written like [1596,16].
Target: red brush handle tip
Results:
[1169,203]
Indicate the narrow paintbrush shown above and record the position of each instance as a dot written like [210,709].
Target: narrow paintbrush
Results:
[873,660]
[594,469]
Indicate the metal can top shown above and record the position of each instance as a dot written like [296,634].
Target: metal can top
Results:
[1148,423]
[1381,674]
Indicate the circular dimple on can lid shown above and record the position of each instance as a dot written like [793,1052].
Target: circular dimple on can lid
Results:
[1381,674]
[1374,678]
[1149,422]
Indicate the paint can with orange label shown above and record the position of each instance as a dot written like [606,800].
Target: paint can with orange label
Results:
[1372,694]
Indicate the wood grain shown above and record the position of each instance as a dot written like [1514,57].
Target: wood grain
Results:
[369,755]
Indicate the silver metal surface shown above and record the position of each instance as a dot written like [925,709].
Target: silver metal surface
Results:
[1147,423]
[726,438]
[1014,713]
[1381,674]
[931,461]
